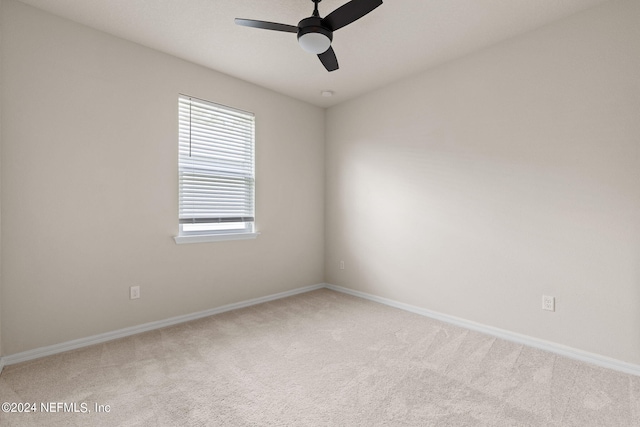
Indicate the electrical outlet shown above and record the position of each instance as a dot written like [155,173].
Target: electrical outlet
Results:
[341,265]
[134,292]
[548,303]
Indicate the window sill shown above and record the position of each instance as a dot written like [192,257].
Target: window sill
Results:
[203,238]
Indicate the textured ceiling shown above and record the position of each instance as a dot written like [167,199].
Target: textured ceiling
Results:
[400,38]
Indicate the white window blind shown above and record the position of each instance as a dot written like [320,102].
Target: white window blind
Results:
[216,168]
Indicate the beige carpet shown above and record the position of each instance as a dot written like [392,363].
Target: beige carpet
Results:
[319,359]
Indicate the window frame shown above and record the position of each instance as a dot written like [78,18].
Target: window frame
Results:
[212,168]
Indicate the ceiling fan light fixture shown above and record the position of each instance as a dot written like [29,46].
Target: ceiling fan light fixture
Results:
[315,43]
[313,37]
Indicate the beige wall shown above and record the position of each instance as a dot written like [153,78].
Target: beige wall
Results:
[89,186]
[477,187]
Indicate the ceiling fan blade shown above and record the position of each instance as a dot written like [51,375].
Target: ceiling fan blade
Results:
[266,25]
[346,14]
[329,59]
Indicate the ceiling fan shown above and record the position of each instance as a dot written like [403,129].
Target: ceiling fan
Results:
[315,33]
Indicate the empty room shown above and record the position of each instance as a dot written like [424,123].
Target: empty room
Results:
[320,213]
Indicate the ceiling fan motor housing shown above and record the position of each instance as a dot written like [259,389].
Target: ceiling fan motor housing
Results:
[312,36]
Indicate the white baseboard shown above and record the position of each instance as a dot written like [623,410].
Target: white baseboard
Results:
[573,353]
[121,333]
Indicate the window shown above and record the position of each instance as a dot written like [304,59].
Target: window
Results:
[216,171]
